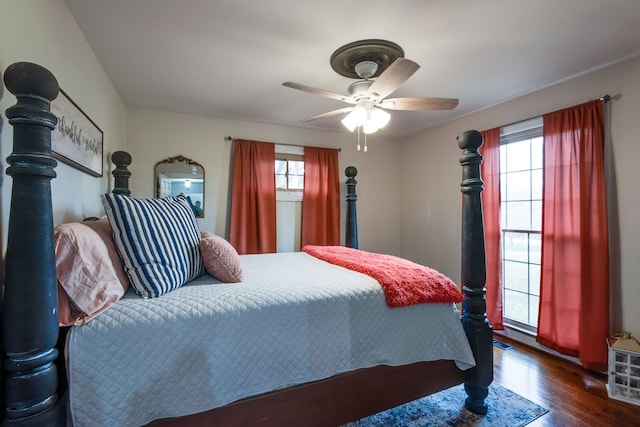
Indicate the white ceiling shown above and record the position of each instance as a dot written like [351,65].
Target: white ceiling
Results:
[228,58]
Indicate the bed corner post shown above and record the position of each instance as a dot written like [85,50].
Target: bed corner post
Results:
[473,275]
[351,232]
[121,173]
[30,328]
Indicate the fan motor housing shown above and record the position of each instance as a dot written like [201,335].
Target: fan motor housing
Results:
[359,87]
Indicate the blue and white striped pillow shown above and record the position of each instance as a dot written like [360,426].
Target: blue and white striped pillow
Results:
[157,240]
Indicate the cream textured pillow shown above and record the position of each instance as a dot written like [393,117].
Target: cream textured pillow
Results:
[221,260]
[90,272]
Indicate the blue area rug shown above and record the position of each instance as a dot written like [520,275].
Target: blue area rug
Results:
[446,408]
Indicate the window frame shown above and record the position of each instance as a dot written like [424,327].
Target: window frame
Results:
[525,130]
[287,153]
[289,158]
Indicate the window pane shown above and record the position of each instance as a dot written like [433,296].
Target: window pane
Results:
[296,167]
[281,182]
[518,215]
[289,174]
[516,247]
[536,216]
[296,182]
[536,153]
[518,156]
[516,306]
[534,279]
[535,248]
[518,186]
[516,276]
[281,167]
[536,184]
[534,302]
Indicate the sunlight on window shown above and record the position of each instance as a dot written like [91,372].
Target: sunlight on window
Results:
[521,222]
[289,174]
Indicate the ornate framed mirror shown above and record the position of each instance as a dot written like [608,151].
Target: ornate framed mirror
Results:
[181,175]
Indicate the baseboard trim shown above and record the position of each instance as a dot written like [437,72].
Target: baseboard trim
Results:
[515,336]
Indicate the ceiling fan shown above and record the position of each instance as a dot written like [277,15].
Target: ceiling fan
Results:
[380,67]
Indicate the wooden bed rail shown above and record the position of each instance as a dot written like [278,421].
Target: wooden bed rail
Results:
[473,275]
[121,173]
[30,315]
[351,231]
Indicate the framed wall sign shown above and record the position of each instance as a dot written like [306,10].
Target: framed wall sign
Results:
[76,140]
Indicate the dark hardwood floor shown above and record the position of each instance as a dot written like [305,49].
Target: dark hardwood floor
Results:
[573,395]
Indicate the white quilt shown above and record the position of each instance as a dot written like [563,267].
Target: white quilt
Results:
[292,320]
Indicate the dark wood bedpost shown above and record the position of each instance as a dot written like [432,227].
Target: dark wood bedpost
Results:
[121,173]
[351,232]
[473,275]
[30,327]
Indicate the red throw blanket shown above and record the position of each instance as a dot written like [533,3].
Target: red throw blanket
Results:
[404,282]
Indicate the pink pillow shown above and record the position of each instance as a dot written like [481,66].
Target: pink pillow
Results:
[90,271]
[221,260]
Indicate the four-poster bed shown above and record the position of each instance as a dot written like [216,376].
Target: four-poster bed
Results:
[32,395]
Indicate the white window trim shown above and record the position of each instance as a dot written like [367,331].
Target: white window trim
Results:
[288,196]
[289,149]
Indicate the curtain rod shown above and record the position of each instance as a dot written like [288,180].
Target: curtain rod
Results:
[605,99]
[231,139]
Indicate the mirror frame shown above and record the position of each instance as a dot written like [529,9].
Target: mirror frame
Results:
[174,160]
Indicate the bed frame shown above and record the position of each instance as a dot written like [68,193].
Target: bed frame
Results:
[30,319]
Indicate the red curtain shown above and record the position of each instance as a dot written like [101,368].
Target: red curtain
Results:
[490,170]
[253,198]
[321,198]
[574,289]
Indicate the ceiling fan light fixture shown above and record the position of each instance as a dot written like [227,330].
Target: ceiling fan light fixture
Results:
[355,118]
[370,118]
[380,117]
[369,127]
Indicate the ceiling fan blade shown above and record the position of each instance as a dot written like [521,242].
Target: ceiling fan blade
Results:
[329,114]
[320,92]
[419,103]
[393,77]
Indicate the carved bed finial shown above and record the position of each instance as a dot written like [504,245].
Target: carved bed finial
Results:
[473,275]
[121,173]
[31,377]
[351,231]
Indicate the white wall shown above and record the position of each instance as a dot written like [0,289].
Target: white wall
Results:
[431,176]
[155,135]
[44,32]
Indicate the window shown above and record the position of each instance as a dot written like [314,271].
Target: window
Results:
[289,173]
[289,169]
[521,150]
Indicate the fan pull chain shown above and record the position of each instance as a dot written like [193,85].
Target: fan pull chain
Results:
[365,142]
[358,146]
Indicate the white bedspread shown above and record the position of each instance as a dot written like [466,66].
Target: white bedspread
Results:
[293,319]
